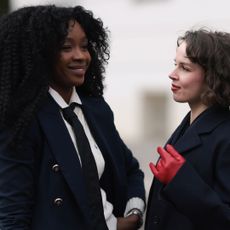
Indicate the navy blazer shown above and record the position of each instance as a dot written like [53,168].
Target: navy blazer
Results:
[198,197]
[41,186]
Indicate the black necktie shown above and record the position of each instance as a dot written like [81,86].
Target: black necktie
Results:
[89,169]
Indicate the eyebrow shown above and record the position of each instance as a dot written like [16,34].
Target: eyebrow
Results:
[184,63]
[84,39]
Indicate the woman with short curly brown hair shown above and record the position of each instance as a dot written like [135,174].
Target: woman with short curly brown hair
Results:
[191,188]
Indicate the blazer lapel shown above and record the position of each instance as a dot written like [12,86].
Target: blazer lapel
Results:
[64,151]
[188,140]
[176,134]
[111,167]
[98,136]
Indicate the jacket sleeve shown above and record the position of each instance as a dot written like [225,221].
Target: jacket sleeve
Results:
[135,176]
[208,207]
[17,183]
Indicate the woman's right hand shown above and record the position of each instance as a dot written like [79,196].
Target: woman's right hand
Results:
[128,223]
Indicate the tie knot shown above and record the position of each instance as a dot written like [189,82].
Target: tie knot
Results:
[68,112]
[73,105]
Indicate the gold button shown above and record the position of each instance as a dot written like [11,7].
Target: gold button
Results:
[58,201]
[56,168]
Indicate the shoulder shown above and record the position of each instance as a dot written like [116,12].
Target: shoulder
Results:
[217,134]
[223,129]
[212,120]
[96,104]
[91,99]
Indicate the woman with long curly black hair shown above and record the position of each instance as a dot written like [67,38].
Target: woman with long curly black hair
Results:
[51,65]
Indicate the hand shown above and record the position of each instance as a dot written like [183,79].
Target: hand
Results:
[128,223]
[168,165]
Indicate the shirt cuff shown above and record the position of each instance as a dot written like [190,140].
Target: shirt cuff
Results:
[134,202]
[112,222]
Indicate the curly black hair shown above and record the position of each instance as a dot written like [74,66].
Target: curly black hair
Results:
[30,40]
[211,50]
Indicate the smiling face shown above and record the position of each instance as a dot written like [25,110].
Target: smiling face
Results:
[72,62]
[188,79]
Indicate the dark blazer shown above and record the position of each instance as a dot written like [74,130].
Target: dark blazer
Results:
[41,186]
[198,197]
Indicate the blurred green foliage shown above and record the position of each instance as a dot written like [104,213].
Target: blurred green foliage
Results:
[4,6]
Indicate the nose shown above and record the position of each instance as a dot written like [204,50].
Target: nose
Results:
[78,54]
[173,75]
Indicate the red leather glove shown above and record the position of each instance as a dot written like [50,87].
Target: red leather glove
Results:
[168,165]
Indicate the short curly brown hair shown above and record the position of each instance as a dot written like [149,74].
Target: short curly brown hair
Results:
[211,50]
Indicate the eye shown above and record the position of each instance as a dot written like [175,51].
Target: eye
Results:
[66,47]
[185,68]
[85,46]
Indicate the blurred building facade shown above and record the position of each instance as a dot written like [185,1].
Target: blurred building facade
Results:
[143,41]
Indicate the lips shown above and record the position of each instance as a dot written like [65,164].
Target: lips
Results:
[78,70]
[175,87]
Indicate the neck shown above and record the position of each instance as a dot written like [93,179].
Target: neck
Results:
[196,111]
[65,93]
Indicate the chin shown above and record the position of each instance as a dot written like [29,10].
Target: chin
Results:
[179,100]
[79,82]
